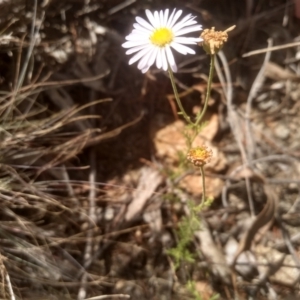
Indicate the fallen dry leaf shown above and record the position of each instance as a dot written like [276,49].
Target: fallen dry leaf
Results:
[192,184]
[169,140]
[204,289]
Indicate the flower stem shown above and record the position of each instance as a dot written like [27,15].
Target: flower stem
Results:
[182,111]
[210,77]
[203,185]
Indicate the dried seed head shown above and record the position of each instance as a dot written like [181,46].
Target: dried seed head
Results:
[199,156]
[213,41]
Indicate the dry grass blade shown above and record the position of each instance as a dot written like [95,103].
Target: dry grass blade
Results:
[149,178]
[6,287]
[270,49]
[109,297]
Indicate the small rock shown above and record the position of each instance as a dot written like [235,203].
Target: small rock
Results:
[245,262]
[266,105]
[281,267]
[192,184]
[282,132]
[109,214]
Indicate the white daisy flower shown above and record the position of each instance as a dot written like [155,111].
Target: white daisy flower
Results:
[152,40]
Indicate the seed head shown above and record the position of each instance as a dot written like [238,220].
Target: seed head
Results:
[213,41]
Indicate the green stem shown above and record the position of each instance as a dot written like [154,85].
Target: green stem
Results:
[187,118]
[203,185]
[210,77]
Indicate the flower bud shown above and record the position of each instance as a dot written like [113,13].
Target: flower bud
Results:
[199,156]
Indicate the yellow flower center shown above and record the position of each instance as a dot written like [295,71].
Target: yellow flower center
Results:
[162,37]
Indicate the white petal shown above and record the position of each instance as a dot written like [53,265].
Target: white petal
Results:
[161,18]
[135,49]
[139,55]
[131,44]
[143,34]
[144,61]
[188,30]
[145,69]
[144,23]
[135,37]
[140,28]
[172,22]
[150,17]
[171,17]
[153,56]
[171,59]
[184,20]
[174,68]
[157,21]
[159,59]
[164,59]
[180,25]
[187,40]
[165,18]
[182,49]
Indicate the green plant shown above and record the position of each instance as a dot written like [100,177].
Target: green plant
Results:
[151,42]
[191,287]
